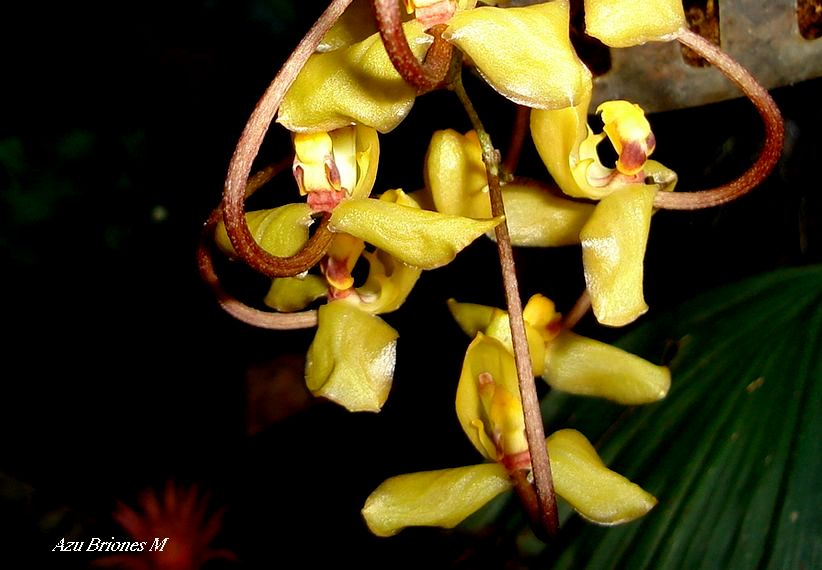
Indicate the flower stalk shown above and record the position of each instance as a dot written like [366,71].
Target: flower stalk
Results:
[423,76]
[546,517]
[774,133]
[229,303]
[246,151]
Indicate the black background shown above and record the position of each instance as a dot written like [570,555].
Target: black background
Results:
[121,372]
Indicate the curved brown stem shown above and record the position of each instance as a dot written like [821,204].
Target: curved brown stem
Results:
[246,151]
[265,175]
[235,307]
[547,518]
[422,76]
[521,128]
[774,133]
[528,499]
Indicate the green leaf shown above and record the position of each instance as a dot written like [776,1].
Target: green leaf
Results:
[733,453]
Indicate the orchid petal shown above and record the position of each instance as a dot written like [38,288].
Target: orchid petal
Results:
[613,248]
[558,134]
[388,285]
[624,23]
[543,71]
[351,360]
[500,329]
[456,176]
[598,494]
[354,84]
[354,25]
[417,237]
[537,218]
[583,366]
[473,318]
[484,356]
[389,281]
[280,231]
[441,498]
[288,294]
[367,148]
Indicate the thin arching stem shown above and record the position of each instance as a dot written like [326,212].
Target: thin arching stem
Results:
[774,133]
[247,148]
[229,303]
[534,432]
[521,129]
[235,307]
[579,310]
[423,76]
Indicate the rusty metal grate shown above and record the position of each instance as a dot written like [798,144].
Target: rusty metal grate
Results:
[764,36]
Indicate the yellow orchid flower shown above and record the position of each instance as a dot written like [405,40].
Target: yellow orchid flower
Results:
[488,405]
[331,166]
[567,361]
[490,413]
[615,236]
[351,359]
[352,84]
[421,238]
[456,180]
[336,171]
[351,80]
[340,259]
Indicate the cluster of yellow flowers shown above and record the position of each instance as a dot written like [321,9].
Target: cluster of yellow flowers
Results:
[347,93]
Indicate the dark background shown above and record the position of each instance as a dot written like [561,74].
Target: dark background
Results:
[121,372]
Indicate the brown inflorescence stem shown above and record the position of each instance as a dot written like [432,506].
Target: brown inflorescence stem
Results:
[230,304]
[235,307]
[246,151]
[423,76]
[579,310]
[540,463]
[522,123]
[774,133]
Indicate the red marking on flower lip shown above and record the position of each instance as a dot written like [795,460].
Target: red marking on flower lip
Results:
[299,176]
[632,158]
[334,293]
[517,461]
[336,272]
[438,13]
[324,200]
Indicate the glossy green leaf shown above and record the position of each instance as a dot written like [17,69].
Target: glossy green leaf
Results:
[733,452]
